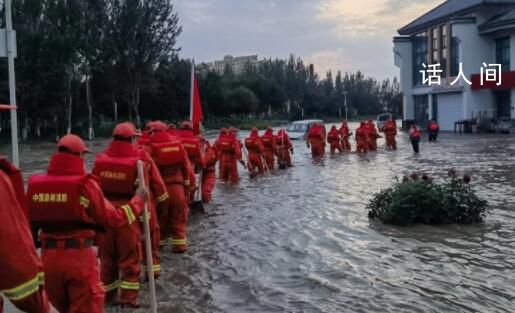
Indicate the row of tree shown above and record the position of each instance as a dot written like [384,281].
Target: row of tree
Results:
[291,89]
[81,63]
[79,59]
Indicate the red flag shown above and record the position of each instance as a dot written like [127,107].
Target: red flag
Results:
[196,116]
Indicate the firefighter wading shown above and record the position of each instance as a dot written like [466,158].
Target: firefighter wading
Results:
[120,248]
[68,206]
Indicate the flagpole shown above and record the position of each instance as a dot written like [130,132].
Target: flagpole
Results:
[192,88]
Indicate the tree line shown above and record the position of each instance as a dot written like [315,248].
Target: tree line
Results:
[290,89]
[82,63]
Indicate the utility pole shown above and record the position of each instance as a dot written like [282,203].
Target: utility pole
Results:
[11,49]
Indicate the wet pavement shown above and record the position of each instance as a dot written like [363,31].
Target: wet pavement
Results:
[300,240]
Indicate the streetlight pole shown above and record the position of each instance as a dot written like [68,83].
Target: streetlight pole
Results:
[12,80]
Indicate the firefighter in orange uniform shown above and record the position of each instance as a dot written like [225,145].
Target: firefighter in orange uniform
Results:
[414,134]
[21,270]
[172,130]
[373,135]
[230,153]
[334,140]
[172,161]
[316,140]
[216,145]
[284,148]
[362,138]
[120,248]
[390,131]
[191,144]
[67,204]
[432,130]
[256,149]
[209,171]
[270,145]
[345,134]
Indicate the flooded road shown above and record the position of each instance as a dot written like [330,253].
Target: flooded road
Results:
[300,240]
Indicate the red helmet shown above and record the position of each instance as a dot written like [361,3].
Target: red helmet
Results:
[73,143]
[126,130]
[186,125]
[158,126]
[223,131]
[172,126]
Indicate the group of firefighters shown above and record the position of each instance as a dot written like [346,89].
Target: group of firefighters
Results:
[366,137]
[340,139]
[67,211]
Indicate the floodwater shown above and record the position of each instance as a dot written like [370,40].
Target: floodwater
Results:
[300,240]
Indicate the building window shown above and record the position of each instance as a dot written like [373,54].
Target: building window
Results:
[443,62]
[455,56]
[419,58]
[502,47]
[435,45]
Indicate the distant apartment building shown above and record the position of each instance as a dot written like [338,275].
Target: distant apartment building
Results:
[466,32]
[237,64]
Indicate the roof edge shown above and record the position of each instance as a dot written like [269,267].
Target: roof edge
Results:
[407,30]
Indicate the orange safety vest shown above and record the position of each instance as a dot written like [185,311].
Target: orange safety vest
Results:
[167,151]
[57,199]
[118,175]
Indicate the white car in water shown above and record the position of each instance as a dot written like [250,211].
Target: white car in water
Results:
[298,129]
[381,119]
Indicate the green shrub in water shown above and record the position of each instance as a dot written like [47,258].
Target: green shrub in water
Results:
[415,201]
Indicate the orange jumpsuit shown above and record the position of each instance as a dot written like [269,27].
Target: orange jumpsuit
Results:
[345,134]
[120,248]
[72,277]
[390,131]
[192,146]
[284,148]
[256,149]
[21,270]
[172,161]
[209,172]
[230,153]
[316,140]
[334,139]
[372,136]
[270,145]
[362,139]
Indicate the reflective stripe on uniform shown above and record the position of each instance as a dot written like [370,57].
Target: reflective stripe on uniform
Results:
[84,202]
[112,286]
[163,242]
[129,285]
[156,268]
[128,211]
[41,278]
[163,197]
[178,242]
[24,290]
[187,182]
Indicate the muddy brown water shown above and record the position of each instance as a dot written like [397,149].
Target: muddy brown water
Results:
[300,240]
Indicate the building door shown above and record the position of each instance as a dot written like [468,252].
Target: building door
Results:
[503,103]
[421,110]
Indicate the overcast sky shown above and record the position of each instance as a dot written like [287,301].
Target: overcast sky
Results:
[342,35]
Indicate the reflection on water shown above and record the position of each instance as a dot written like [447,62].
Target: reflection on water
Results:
[300,241]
